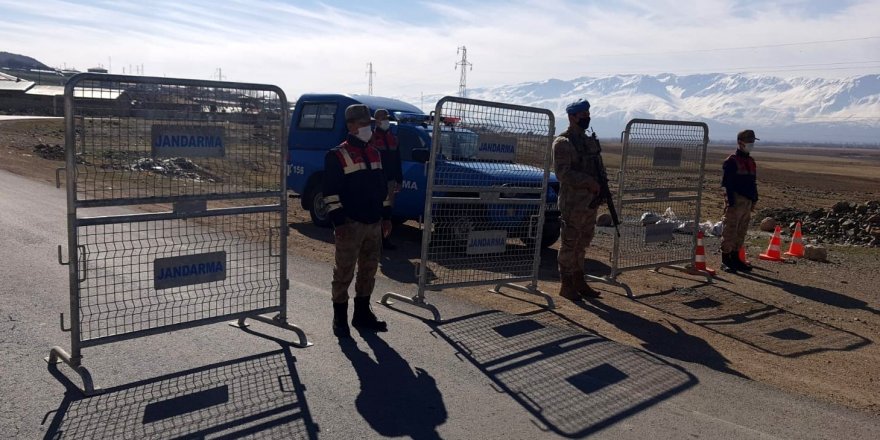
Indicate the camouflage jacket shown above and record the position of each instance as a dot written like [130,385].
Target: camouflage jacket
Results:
[574,161]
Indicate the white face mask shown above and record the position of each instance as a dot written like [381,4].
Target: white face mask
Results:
[384,125]
[747,147]
[364,133]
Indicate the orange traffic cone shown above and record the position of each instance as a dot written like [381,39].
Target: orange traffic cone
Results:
[700,256]
[772,253]
[796,248]
[743,257]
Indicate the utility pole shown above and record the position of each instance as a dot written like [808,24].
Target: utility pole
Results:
[370,73]
[219,72]
[462,83]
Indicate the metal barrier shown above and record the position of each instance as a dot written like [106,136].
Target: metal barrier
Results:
[487,189]
[176,208]
[658,197]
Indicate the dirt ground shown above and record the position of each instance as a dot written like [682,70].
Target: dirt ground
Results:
[806,327]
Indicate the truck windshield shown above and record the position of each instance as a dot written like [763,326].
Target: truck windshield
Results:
[459,145]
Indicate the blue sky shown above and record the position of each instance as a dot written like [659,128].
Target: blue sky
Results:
[306,46]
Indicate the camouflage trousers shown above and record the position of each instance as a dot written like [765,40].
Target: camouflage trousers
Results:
[735,224]
[577,231]
[360,245]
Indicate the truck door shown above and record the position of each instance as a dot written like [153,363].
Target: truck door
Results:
[410,201]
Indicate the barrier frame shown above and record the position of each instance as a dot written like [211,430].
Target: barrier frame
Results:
[428,221]
[623,201]
[183,210]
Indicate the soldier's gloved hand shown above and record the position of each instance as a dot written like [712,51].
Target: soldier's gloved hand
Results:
[386,228]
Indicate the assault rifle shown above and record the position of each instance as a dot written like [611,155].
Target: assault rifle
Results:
[604,195]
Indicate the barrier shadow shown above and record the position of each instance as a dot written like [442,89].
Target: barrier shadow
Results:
[812,293]
[395,400]
[574,383]
[762,326]
[659,339]
[257,396]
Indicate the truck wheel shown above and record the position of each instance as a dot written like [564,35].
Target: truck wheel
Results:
[549,235]
[454,232]
[317,208]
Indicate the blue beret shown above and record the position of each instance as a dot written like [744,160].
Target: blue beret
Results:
[581,105]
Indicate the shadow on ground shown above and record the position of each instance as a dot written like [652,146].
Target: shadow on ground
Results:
[673,342]
[573,382]
[813,293]
[762,326]
[394,399]
[258,396]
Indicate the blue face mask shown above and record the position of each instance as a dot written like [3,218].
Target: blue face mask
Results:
[584,123]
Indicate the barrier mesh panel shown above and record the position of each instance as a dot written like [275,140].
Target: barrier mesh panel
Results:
[205,162]
[662,167]
[118,291]
[488,190]
[127,133]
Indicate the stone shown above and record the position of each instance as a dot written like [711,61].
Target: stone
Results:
[768,224]
[815,253]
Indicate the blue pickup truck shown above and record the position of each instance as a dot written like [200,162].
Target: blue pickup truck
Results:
[318,124]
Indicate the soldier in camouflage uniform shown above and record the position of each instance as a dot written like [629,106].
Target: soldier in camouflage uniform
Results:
[355,192]
[575,160]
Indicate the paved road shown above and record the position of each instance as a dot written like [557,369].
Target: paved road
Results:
[481,374]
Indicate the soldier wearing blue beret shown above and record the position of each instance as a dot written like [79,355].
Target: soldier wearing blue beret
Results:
[576,163]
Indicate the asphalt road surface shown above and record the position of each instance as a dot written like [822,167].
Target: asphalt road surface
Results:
[480,374]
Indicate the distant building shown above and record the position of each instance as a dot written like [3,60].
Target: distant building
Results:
[97,70]
[13,83]
[20,96]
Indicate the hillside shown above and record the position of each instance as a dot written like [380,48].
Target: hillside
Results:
[805,110]
[16,61]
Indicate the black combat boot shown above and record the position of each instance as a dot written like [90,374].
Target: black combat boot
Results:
[740,264]
[728,261]
[340,320]
[363,317]
[567,289]
[584,289]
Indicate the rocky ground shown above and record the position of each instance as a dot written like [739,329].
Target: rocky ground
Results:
[804,326]
[846,223]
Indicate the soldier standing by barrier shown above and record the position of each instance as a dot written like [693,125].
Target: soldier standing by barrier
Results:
[739,181]
[575,161]
[355,190]
[385,141]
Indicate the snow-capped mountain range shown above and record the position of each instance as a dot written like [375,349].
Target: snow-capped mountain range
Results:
[808,110]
